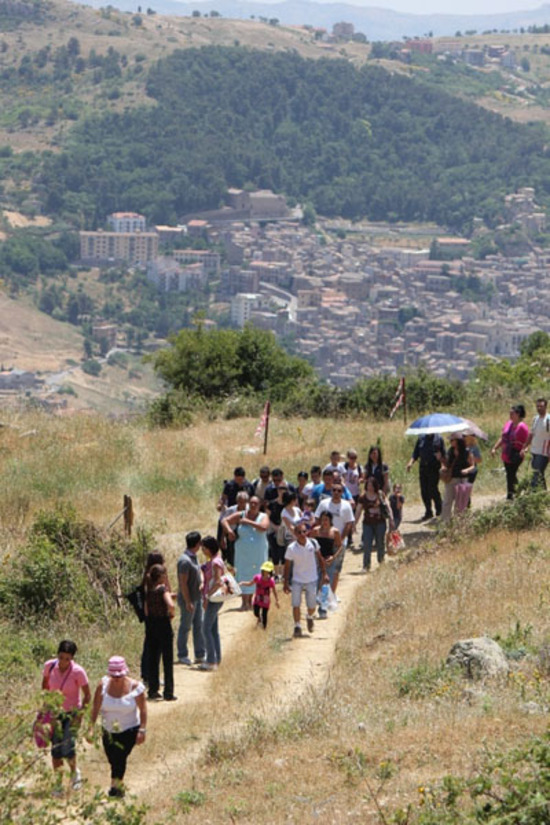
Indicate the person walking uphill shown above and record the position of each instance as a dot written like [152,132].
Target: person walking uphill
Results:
[121,702]
[190,601]
[428,450]
[539,443]
[65,676]
[306,556]
[512,441]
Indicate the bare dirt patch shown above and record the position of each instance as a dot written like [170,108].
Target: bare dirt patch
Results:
[19,221]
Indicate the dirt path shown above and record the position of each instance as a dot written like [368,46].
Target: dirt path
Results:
[306,662]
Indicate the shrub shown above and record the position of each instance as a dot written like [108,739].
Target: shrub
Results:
[91,367]
[424,679]
[70,569]
[511,787]
[30,802]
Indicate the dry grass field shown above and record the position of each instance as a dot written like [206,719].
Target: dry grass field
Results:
[346,725]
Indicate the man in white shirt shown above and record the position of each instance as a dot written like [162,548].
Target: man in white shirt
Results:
[305,555]
[342,518]
[539,442]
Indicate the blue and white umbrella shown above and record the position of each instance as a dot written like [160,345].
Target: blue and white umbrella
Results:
[437,423]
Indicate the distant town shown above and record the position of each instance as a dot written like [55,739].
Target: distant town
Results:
[352,307]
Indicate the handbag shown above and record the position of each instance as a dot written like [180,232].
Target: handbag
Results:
[446,473]
[42,728]
[43,725]
[136,597]
[384,508]
[229,589]
[395,542]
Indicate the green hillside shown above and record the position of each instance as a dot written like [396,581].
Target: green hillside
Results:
[354,142]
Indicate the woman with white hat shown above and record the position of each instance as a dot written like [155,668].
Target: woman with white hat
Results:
[121,702]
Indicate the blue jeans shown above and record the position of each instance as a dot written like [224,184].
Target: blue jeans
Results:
[191,620]
[373,533]
[212,633]
[538,464]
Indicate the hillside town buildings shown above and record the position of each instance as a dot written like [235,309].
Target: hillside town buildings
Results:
[353,306]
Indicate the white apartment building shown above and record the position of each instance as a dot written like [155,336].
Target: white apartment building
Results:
[126,222]
[242,305]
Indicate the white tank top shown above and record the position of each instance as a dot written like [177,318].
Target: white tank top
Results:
[120,713]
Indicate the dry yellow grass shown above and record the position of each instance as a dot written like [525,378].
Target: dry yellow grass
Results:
[268,731]
[321,756]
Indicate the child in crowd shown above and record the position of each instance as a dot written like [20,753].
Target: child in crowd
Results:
[397,500]
[308,514]
[265,583]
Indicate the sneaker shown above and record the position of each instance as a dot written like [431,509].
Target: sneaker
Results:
[76,780]
[200,660]
[297,631]
[116,793]
[206,666]
[154,696]
[185,661]
[171,698]
[427,517]
[310,624]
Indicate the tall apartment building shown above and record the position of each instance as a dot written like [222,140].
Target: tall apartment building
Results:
[242,305]
[110,247]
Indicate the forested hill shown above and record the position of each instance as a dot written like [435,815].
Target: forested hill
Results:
[352,141]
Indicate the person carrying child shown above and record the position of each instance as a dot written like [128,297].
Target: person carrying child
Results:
[264,583]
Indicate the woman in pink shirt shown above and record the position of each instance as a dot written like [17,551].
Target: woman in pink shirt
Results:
[64,676]
[512,443]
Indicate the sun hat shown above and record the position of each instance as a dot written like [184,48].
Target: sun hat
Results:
[268,566]
[117,666]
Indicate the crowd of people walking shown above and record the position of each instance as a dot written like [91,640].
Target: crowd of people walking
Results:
[271,533]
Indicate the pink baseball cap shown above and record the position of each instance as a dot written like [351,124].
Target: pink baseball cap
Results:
[117,666]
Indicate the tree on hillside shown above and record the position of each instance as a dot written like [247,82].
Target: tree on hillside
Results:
[537,341]
[216,364]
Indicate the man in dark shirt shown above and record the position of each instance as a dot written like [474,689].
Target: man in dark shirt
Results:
[238,484]
[428,451]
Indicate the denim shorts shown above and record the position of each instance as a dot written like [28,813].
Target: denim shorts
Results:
[64,736]
[311,594]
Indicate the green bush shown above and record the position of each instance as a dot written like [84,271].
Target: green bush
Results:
[28,802]
[511,788]
[424,679]
[527,511]
[70,569]
[91,367]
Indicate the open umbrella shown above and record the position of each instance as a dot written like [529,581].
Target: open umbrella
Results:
[473,429]
[437,423]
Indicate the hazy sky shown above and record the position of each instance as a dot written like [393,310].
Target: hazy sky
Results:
[450,6]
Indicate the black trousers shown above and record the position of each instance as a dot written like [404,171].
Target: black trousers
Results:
[264,610]
[429,487]
[511,479]
[118,747]
[160,643]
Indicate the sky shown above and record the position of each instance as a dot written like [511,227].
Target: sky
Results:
[450,6]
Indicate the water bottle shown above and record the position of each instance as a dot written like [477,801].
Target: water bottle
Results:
[323,608]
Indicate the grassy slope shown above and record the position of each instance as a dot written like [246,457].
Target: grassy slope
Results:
[339,741]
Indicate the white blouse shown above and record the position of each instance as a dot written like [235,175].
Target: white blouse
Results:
[120,713]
